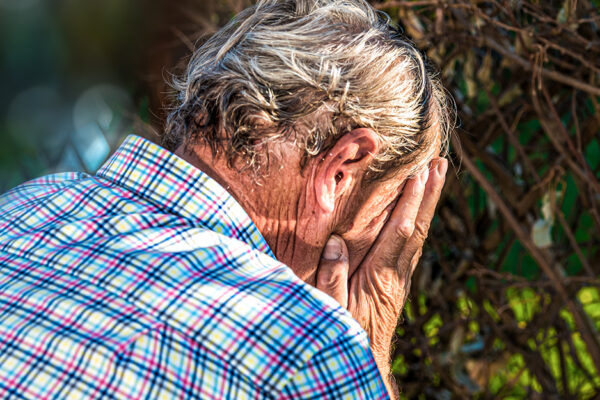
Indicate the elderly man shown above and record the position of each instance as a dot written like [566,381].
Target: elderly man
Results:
[265,252]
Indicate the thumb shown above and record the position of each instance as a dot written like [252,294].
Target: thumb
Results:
[332,275]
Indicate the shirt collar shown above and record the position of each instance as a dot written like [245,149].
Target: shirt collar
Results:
[173,184]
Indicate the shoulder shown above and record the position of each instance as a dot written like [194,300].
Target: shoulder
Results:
[252,311]
[39,187]
[237,316]
[228,302]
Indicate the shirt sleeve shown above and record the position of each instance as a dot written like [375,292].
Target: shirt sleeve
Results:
[343,370]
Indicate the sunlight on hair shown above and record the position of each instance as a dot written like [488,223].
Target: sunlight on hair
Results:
[309,71]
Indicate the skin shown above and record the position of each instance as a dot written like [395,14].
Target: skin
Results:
[375,294]
[374,232]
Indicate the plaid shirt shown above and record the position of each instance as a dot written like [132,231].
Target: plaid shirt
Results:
[149,281]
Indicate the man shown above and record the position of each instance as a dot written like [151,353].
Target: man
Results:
[305,147]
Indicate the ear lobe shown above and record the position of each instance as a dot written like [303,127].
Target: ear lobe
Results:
[344,166]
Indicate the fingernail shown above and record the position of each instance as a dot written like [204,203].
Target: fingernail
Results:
[442,166]
[333,249]
[432,164]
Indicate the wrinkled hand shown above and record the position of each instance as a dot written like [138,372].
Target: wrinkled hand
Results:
[377,291]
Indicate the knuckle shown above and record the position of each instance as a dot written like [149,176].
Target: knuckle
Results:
[405,229]
[336,276]
[331,277]
[422,230]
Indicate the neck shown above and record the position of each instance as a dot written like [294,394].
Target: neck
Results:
[277,205]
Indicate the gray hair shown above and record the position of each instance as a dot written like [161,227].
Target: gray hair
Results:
[308,71]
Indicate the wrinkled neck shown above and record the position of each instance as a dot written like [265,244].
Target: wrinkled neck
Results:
[279,205]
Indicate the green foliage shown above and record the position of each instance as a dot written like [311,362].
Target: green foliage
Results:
[519,239]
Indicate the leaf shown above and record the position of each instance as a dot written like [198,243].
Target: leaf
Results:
[469,75]
[457,339]
[525,303]
[485,71]
[510,95]
[540,233]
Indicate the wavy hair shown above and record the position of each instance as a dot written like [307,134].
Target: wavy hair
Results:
[308,71]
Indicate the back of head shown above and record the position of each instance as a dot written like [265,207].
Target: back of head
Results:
[308,71]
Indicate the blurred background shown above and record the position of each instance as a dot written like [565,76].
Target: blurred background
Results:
[506,302]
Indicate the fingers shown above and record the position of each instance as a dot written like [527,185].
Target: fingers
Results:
[332,275]
[381,284]
[433,189]
[405,213]
[400,226]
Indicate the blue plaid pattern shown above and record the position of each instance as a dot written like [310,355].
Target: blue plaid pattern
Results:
[149,281]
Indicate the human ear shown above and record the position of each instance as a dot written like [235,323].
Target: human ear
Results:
[344,165]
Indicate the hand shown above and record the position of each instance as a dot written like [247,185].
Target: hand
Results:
[377,291]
